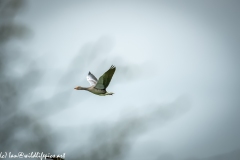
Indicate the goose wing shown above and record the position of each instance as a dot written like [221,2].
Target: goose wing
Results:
[105,79]
[91,79]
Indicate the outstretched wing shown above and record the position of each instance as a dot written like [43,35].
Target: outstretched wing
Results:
[105,79]
[91,79]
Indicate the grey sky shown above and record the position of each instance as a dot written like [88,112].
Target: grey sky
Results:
[163,51]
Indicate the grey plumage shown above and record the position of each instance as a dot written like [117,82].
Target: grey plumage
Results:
[106,78]
[99,86]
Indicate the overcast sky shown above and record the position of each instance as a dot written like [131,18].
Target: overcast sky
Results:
[177,73]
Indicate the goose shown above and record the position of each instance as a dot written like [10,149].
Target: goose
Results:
[98,87]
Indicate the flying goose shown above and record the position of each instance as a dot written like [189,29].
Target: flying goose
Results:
[98,87]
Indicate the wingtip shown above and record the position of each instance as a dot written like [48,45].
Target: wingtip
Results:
[112,67]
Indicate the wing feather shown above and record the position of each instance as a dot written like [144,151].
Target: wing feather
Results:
[91,79]
[105,79]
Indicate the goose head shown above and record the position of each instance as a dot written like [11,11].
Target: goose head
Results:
[79,88]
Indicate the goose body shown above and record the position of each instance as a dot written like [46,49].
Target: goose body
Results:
[98,87]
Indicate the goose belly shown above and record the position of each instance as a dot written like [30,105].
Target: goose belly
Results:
[98,91]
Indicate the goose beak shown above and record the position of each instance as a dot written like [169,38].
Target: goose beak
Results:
[75,88]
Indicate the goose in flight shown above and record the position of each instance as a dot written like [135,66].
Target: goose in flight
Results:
[98,87]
